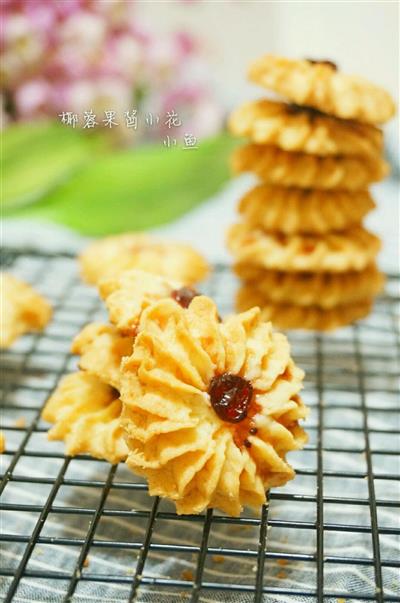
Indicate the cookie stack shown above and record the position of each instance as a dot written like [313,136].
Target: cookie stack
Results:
[300,248]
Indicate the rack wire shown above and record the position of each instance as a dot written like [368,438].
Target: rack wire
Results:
[78,529]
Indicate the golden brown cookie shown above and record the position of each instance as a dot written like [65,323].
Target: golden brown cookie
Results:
[128,294]
[320,85]
[86,415]
[302,170]
[294,128]
[290,316]
[297,210]
[352,249]
[101,349]
[325,290]
[2,442]
[22,309]
[107,258]
[210,408]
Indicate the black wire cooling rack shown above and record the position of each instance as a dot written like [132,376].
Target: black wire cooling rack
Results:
[77,529]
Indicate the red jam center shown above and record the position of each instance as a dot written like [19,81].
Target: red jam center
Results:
[230,397]
[184,296]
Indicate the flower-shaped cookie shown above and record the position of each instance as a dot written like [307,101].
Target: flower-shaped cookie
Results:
[210,408]
[110,256]
[291,316]
[22,309]
[299,210]
[322,289]
[86,415]
[302,170]
[352,249]
[295,128]
[101,348]
[128,294]
[320,85]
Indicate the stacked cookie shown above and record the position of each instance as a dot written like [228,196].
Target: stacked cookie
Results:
[300,248]
[205,409]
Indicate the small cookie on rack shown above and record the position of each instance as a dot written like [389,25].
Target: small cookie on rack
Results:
[86,415]
[294,128]
[101,348]
[2,442]
[128,294]
[23,310]
[290,316]
[322,289]
[319,84]
[302,170]
[110,256]
[210,408]
[297,210]
[352,249]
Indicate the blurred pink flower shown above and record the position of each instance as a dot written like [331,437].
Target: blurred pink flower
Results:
[115,11]
[83,33]
[23,48]
[163,57]
[98,94]
[196,108]
[42,16]
[77,55]
[33,98]
[185,42]
[123,56]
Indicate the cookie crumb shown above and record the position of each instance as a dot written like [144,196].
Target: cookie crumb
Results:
[281,575]
[86,562]
[282,561]
[341,600]
[187,574]
[20,422]
[218,558]
[240,528]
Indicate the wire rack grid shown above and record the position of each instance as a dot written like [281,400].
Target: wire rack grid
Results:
[78,529]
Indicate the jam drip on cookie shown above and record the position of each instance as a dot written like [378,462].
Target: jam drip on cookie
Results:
[293,109]
[246,427]
[184,296]
[323,62]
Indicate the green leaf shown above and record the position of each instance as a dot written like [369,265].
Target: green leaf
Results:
[38,156]
[136,189]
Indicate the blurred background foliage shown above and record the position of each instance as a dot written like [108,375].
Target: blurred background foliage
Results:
[73,56]
[87,55]
[77,180]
